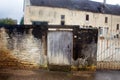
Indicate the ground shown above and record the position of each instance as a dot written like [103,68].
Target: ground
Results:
[7,74]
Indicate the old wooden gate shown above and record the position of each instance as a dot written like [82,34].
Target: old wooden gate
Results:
[59,47]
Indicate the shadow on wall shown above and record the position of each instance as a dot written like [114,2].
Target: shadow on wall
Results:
[85,48]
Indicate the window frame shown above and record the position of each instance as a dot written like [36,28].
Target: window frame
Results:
[87,17]
[62,17]
[106,19]
[117,27]
[62,22]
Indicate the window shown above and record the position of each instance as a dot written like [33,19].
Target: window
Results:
[62,17]
[106,30]
[103,31]
[117,36]
[106,19]
[100,31]
[87,17]
[117,27]
[62,22]
[39,23]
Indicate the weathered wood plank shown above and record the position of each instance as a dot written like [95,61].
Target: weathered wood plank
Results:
[60,47]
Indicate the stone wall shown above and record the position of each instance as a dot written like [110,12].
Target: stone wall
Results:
[21,49]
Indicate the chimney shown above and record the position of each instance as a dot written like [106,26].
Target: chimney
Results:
[104,2]
[26,3]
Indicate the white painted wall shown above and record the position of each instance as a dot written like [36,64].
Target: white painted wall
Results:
[72,17]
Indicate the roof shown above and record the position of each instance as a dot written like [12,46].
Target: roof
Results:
[84,5]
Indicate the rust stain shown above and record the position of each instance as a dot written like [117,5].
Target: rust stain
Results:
[9,61]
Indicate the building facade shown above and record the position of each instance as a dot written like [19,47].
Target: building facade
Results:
[84,13]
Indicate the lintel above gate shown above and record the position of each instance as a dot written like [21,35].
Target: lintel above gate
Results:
[62,28]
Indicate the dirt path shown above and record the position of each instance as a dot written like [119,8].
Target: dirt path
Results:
[38,75]
[50,75]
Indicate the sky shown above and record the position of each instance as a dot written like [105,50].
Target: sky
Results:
[109,1]
[11,9]
[14,8]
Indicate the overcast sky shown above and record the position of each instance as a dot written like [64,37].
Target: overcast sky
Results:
[11,9]
[14,8]
[109,1]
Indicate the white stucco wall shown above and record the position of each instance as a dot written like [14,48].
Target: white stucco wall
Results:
[72,17]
